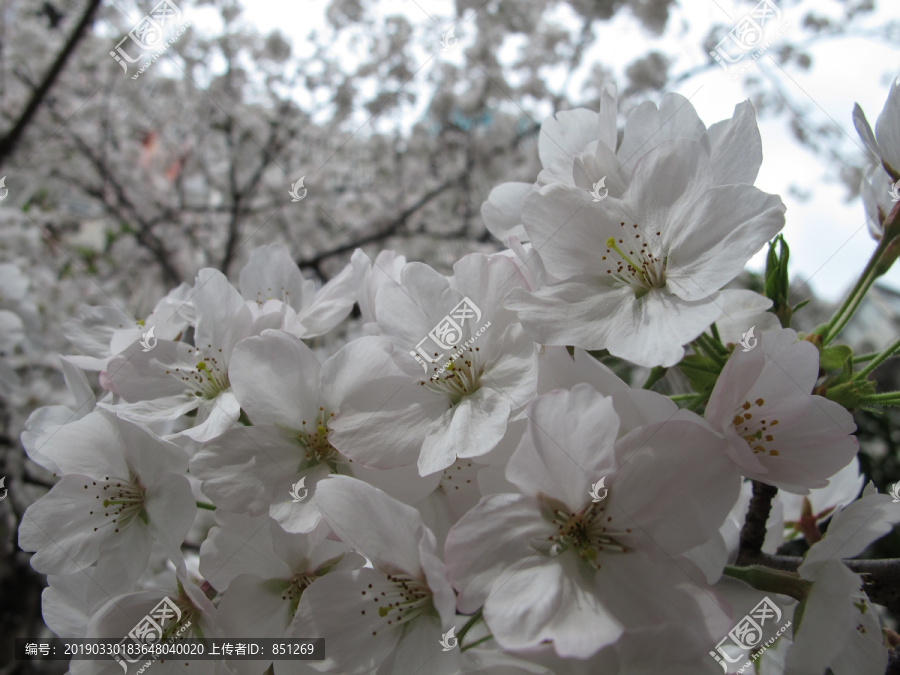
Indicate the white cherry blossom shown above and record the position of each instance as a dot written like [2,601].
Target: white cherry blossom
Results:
[553,564]
[252,469]
[399,412]
[778,432]
[640,275]
[122,490]
[389,617]
[839,628]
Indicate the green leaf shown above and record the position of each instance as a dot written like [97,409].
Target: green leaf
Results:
[701,371]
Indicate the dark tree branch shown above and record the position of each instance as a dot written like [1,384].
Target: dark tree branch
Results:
[9,141]
[393,228]
[753,533]
[881,578]
[384,232]
[238,210]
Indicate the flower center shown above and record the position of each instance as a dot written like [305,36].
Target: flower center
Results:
[208,378]
[457,378]
[313,438]
[587,532]
[634,261]
[189,617]
[403,599]
[295,587]
[755,430]
[118,501]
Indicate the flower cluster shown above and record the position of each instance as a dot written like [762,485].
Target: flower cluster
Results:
[466,487]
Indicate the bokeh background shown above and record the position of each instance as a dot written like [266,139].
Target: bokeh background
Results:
[120,188]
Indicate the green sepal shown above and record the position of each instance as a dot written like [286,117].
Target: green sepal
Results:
[850,394]
[701,371]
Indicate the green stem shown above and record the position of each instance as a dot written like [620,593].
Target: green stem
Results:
[703,344]
[477,642]
[887,398]
[656,374]
[468,625]
[770,580]
[204,505]
[878,360]
[857,293]
[865,357]
[684,397]
[716,345]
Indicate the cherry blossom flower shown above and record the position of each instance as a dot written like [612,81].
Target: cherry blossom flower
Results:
[839,628]
[578,148]
[396,414]
[745,310]
[554,564]
[641,274]
[390,617]
[803,513]
[883,148]
[252,469]
[123,488]
[103,332]
[188,614]
[45,421]
[777,431]
[299,308]
[176,378]
[371,275]
[263,571]
[70,600]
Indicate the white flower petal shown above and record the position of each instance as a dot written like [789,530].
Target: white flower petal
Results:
[502,212]
[567,133]
[485,544]
[377,526]
[568,445]
[257,375]
[718,234]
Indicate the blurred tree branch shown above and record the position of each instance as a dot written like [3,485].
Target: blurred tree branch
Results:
[10,140]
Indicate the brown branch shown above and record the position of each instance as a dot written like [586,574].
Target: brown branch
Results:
[9,142]
[143,233]
[881,578]
[753,533]
[238,209]
[389,230]
[393,227]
